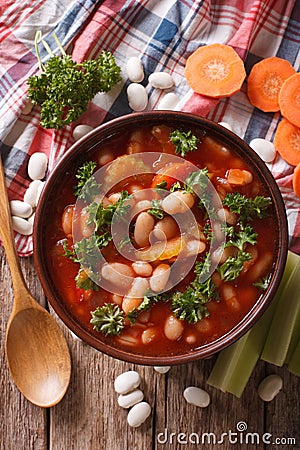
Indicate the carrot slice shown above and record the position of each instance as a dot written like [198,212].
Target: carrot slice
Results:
[289,99]
[215,70]
[171,173]
[287,142]
[265,81]
[296,180]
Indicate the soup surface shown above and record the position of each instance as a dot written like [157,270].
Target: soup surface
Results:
[162,241]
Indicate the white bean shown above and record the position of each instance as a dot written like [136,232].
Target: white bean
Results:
[226,125]
[31,219]
[149,335]
[135,70]
[138,414]
[132,398]
[138,288]
[265,149]
[229,296]
[168,102]
[127,382]
[67,219]
[178,202]
[86,228]
[270,387]
[137,97]
[165,228]
[105,157]
[162,369]
[20,209]
[196,396]
[130,303]
[142,268]
[173,328]
[194,247]
[140,206]
[160,277]
[39,191]
[80,131]
[161,80]
[21,225]
[31,193]
[143,226]
[37,166]
[118,274]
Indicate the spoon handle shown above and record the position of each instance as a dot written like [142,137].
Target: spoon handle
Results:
[7,236]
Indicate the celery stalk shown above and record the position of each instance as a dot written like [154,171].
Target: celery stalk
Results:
[294,364]
[284,330]
[235,364]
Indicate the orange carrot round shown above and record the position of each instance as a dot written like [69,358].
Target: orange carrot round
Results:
[287,142]
[265,81]
[215,70]
[296,180]
[289,99]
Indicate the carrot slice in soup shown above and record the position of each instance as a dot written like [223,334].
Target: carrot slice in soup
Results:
[296,180]
[265,81]
[171,173]
[287,142]
[289,99]
[215,70]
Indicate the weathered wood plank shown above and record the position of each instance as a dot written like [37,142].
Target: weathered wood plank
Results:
[22,425]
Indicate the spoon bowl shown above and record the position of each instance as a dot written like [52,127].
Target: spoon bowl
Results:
[36,349]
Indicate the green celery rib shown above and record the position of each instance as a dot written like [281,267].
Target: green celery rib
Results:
[284,331]
[294,364]
[236,363]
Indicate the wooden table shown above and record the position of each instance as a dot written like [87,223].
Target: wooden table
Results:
[89,418]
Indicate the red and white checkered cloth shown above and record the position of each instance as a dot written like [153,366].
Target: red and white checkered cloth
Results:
[164,33]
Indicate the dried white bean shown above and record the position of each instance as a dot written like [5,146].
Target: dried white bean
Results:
[138,288]
[162,369]
[168,102]
[37,166]
[31,218]
[165,228]
[173,328]
[135,70]
[196,396]
[160,277]
[118,274]
[21,225]
[142,268]
[161,80]
[20,209]
[80,131]
[143,226]
[265,149]
[270,387]
[226,125]
[31,193]
[39,191]
[138,414]
[177,202]
[132,398]
[127,382]
[137,97]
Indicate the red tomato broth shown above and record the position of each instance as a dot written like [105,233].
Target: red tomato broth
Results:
[80,303]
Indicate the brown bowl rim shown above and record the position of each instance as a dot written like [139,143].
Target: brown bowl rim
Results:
[101,133]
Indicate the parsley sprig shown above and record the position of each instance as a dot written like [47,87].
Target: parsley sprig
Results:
[184,142]
[65,87]
[108,319]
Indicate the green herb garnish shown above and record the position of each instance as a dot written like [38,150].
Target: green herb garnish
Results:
[156,210]
[184,142]
[87,187]
[108,319]
[247,208]
[65,87]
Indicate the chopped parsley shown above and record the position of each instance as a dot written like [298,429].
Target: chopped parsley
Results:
[108,319]
[184,142]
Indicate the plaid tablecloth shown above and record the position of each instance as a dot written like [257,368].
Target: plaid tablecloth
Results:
[163,33]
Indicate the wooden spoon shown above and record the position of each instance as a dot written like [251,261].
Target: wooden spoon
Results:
[36,349]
